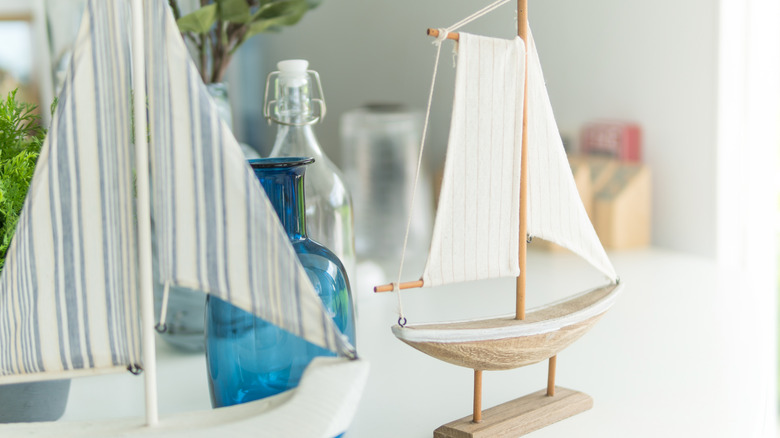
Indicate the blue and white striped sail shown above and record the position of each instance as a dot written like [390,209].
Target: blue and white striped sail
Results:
[68,292]
[216,229]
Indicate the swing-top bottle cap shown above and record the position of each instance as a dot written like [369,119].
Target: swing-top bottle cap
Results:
[294,86]
[293,66]
[294,72]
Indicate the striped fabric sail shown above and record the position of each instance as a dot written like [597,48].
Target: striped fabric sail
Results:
[475,235]
[217,232]
[68,301]
[477,223]
[555,210]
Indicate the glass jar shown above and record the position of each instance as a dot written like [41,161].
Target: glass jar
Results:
[380,145]
[249,358]
[328,201]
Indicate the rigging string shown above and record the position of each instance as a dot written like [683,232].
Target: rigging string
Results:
[162,326]
[439,39]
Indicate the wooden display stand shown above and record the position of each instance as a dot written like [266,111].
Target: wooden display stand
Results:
[520,416]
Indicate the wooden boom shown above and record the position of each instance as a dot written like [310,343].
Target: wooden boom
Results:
[405,285]
[450,36]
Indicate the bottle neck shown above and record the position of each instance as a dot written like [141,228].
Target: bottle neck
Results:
[296,141]
[284,187]
[294,119]
[293,96]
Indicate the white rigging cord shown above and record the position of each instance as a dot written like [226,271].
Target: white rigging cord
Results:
[439,39]
[162,326]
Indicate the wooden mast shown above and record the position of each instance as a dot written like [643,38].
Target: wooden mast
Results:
[522,32]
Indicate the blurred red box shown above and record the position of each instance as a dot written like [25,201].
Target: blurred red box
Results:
[621,140]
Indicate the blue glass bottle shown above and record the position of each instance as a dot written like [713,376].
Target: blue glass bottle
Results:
[249,358]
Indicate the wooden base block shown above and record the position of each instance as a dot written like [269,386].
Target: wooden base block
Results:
[519,416]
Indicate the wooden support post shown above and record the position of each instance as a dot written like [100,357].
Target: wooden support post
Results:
[551,376]
[477,417]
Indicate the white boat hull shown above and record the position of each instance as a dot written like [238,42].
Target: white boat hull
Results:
[322,406]
[505,343]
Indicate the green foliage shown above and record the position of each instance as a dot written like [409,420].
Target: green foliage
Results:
[219,27]
[234,11]
[21,138]
[199,21]
[272,16]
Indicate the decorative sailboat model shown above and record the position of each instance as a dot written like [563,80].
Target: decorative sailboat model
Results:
[506,179]
[76,290]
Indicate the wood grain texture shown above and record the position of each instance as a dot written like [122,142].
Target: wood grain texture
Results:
[514,352]
[520,416]
[506,354]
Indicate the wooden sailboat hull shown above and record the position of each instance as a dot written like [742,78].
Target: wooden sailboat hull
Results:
[505,343]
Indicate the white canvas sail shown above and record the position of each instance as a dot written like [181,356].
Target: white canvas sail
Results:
[68,301]
[217,232]
[555,210]
[475,235]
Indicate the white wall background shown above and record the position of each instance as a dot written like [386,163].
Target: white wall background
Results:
[651,62]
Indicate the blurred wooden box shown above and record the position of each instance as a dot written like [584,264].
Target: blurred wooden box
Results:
[617,197]
[622,208]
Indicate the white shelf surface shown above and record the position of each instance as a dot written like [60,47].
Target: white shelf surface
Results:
[678,355]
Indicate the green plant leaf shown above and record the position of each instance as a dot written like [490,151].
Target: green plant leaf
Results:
[313,3]
[235,11]
[276,14]
[199,21]
[21,138]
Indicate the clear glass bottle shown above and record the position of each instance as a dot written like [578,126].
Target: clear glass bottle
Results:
[328,201]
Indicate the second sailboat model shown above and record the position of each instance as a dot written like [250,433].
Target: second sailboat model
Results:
[506,179]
